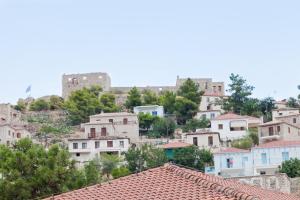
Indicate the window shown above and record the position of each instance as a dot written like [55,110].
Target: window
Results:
[92,132]
[207,99]
[220,126]
[97,144]
[18,135]
[111,120]
[294,120]
[75,145]
[229,162]
[154,113]
[244,160]
[77,154]
[9,133]
[263,158]
[271,131]
[84,145]
[125,121]
[215,89]
[103,131]
[212,115]
[195,141]
[285,156]
[206,85]
[289,130]
[210,141]
[7,143]
[122,144]
[203,116]
[220,88]
[208,107]
[278,129]
[109,143]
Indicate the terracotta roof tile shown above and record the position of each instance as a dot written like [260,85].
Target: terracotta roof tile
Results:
[232,150]
[234,116]
[173,183]
[280,143]
[174,145]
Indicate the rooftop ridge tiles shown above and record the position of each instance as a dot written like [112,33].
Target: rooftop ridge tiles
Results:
[211,184]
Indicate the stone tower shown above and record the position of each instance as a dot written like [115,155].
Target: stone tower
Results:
[73,82]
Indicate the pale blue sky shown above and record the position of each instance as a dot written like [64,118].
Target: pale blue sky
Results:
[149,43]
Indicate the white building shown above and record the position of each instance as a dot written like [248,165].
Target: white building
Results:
[232,126]
[154,110]
[281,104]
[210,114]
[9,135]
[204,140]
[283,112]
[83,150]
[263,159]
[113,124]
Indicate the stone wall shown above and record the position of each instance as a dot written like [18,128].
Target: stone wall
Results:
[295,186]
[278,182]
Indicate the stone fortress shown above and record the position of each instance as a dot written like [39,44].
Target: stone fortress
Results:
[73,82]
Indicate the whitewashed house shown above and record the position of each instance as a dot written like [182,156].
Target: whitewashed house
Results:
[9,134]
[263,159]
[210,106]
[232,126]
[285,111]
[204,140]
[113,124]
[84,149]
[154,110]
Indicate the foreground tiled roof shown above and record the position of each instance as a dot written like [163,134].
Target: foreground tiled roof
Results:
[232,150]
[234,116]
[172,183]
[174,145]
[280,143]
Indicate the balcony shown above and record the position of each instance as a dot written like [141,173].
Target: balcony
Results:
[80,150]
[270,137]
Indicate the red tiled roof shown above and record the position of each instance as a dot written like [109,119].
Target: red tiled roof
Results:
[174,145]
[232,150]
[234,116]
[173,183]
[280,143]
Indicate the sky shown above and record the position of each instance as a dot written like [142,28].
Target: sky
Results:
[149,43]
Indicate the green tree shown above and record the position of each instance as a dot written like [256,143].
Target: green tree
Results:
[240,92]
[108,163]
[133,99]
[191,91]
[162,127]
[120,172]
[266,107]
[146,121]
[83,103]
[145,157]
[56,102]
[21,105]
[28,171]
[185,109]
[92,173]
[149,98]
[167,100]
[291,168]
[293,103]
[108,103]
[251,107]
[39,105]
[194,124]
[193,157]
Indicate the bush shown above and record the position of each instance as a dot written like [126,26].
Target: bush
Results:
[291,168]
[39,105]
[120,172]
